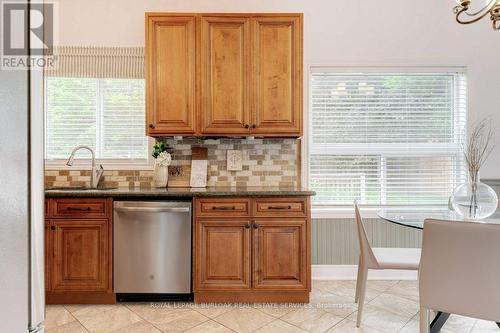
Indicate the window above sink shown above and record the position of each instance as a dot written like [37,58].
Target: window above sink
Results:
[105,114]
[95,96]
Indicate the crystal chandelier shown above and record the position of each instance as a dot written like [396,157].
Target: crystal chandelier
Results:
[466,15]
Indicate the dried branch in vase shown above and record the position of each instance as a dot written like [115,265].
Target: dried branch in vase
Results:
[478,147]
[474,199]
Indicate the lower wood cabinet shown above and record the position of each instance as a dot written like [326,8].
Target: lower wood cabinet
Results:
[252,259]
[280,254]
[223,254]
[78,252]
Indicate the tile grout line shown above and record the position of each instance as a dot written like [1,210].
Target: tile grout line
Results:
[147,321]
[213,319]
[409,320]
[72,316]
[272,321]
[203,322]
[338,324]
[84,327]
[325,312]
[393,311]
[209,319]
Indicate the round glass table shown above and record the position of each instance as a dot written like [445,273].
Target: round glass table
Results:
[414,218]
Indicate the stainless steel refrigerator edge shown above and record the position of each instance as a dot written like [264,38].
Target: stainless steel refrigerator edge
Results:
[21,201]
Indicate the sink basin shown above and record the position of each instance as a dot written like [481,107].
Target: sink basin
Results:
[68,188]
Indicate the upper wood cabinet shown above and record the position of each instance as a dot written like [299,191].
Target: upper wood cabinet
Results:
[278,75]
[170,74]
[224,74]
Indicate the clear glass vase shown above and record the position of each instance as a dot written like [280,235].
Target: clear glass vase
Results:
[474,200]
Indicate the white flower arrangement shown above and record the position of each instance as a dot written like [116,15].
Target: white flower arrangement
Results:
[164,159]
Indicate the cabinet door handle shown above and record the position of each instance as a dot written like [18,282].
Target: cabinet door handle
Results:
[279,207]
[256,226]
[79,209]
[247,126]
[223,208]
[151,126]
[254,126]
[52,227]
[247,226]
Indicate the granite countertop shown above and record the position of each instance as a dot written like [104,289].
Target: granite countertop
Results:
[178,192]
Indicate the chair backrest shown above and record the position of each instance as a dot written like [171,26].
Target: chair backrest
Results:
[364,245]
[460,268]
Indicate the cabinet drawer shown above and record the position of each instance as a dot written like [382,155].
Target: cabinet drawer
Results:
[277,207]
[79,207]
[222,207]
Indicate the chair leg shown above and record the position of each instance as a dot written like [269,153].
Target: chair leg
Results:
[424,320]
[358,279]
[362,291]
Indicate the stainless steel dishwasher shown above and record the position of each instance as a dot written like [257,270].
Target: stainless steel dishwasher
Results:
[152,250]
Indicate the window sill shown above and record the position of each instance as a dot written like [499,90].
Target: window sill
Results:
[110,164]
[342,212]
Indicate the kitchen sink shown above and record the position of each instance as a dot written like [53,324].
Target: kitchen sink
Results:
[80,188]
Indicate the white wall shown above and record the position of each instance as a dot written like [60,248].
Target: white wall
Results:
[340,33]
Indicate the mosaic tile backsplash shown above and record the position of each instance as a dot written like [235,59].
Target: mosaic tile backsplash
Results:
[266,162]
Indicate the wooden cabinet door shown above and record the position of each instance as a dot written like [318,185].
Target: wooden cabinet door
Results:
[170,74]
[225,74]
[280,253]
[222,254]
[277,44]
[81,259]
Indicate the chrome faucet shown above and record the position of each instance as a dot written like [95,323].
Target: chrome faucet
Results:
[96,173]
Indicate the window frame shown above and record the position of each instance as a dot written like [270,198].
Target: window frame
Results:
[107,163]
[370,210]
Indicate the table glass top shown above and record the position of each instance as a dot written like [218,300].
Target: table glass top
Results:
[415,218]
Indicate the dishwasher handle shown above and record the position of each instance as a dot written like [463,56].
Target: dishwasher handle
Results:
[154,209]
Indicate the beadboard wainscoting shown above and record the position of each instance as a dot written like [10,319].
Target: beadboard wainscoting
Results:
[335,241]
[335,249]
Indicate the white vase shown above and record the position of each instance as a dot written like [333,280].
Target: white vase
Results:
[160,176]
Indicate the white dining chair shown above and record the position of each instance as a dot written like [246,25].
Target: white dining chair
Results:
[460,270]
[378,258]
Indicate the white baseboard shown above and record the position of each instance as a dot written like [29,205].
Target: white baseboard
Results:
[350,272]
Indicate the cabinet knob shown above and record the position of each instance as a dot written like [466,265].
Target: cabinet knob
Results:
[247,126]
[256,226]
[247,226]
[151,126]
[254,126]
[52,227]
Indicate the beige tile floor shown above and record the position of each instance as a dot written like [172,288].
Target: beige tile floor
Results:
[392,306]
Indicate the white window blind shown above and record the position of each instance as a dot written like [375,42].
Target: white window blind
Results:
[386,138]
[105,114]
